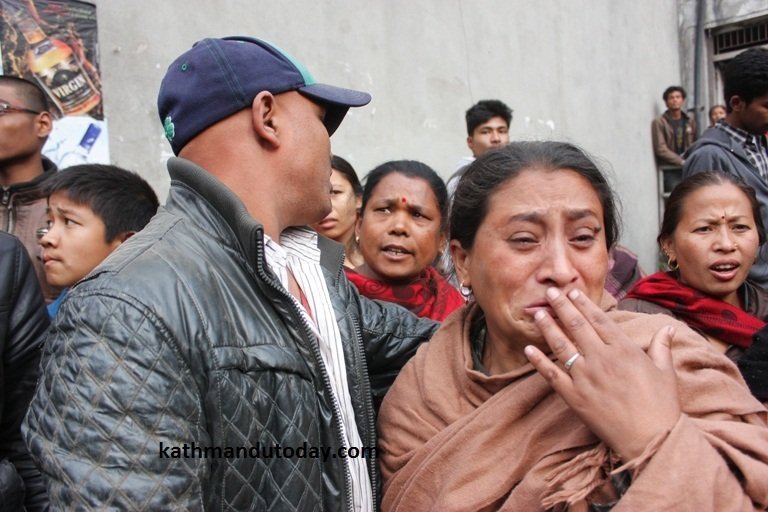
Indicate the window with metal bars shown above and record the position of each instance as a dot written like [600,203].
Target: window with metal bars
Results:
[744,36]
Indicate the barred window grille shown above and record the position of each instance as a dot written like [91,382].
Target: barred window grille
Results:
[742,37]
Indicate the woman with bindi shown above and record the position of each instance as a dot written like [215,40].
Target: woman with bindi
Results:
[401,231]
[711,233]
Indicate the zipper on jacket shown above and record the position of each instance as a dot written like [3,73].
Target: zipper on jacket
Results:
[368,403]
[323,372]
[7,202]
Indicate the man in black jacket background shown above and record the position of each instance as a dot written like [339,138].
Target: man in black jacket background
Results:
[23,321]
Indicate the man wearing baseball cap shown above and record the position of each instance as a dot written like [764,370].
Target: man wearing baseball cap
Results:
[219,359]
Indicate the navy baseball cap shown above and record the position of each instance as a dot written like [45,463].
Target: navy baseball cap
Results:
[218,77]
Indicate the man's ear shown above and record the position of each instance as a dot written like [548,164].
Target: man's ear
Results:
[461,259]
[736,103]
[264,118]
[471,144]
[44,124]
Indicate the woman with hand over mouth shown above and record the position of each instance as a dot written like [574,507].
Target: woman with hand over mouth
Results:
[539,394]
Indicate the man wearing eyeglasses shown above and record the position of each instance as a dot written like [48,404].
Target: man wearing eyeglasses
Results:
[24,127]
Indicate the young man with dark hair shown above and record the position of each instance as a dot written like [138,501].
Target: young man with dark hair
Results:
[487,128]
[672,132]
[25,124]
[92,210]
[737,144]
[220,360]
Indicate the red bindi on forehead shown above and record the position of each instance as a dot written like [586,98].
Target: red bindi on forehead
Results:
[403,200]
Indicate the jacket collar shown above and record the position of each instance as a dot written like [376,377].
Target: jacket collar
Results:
[247,231]
[668,116]
[32,186]
[718,137]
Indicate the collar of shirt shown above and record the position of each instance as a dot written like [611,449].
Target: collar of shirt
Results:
[298,249]
[299,242]
[742,136]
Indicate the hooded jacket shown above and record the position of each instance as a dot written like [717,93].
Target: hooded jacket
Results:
[174,370]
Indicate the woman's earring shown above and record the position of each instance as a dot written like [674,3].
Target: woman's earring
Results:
[465,291]
[672,264]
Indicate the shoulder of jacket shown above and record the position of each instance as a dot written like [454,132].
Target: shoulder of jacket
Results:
[11,261]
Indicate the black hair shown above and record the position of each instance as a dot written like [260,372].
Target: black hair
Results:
[746,76]
[673,88]
[411,169]
[484,110]
[345,168]
[489,172]
[120,198]
[32,95]
[673,210]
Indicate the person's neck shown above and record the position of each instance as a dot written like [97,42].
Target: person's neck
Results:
[734,121]
[500,357]
[352,256]
[348,241]
[675,114]
[366,271]
[20,171]
[734,299]
[239,172]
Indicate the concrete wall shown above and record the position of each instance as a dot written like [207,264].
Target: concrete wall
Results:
[587,71]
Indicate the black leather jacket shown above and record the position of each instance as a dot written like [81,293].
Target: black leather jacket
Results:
[23,322]
[185,336]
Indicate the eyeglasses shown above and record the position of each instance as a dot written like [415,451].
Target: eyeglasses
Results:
[5,108]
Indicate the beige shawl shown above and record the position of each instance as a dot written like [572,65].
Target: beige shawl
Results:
[452,438]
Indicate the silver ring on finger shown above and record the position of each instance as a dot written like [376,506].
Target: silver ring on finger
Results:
[569,362]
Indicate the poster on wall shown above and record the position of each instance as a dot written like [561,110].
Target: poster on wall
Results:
[54,43]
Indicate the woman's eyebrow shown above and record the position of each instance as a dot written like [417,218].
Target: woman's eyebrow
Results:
[715,218]
[537,217]
[534,217]
[580,214]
